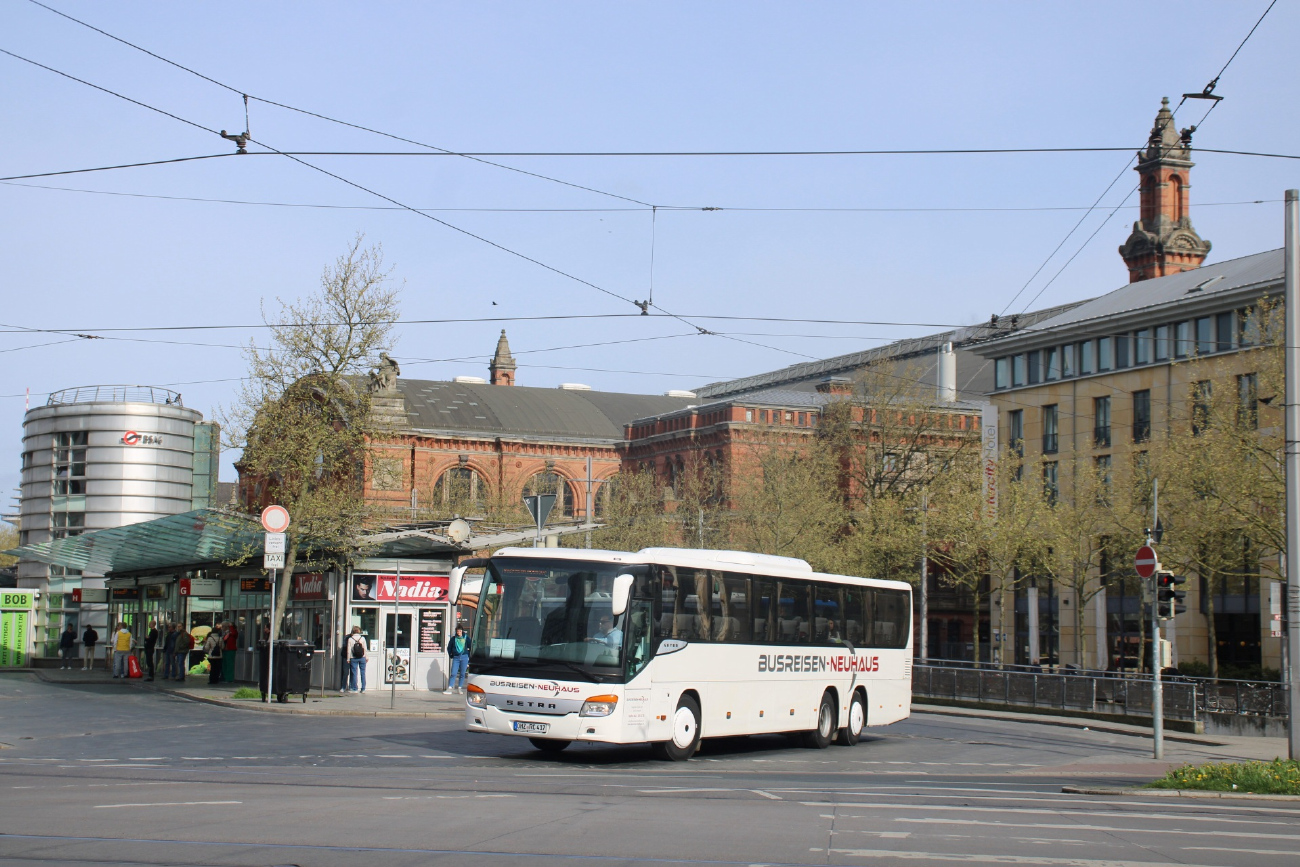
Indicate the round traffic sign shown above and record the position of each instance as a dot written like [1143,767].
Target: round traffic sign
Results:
[1146,562]
[275,519]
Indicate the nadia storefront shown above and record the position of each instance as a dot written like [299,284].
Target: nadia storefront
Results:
[402,609]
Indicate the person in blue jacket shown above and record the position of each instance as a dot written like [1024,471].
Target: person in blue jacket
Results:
[458,649]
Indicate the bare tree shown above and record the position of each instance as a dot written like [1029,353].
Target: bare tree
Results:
[302,418]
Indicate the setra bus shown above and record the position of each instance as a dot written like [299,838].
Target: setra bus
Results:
[669,645]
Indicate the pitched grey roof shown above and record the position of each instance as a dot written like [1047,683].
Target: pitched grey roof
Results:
[1218,284]
[805,375]
[513,410]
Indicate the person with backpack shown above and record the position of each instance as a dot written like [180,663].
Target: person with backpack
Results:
[214,648]
[181,652]
[89,639]
[458,649]
[356,656]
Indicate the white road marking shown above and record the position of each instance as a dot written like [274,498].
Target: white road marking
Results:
[1077,827]
[167,804]
[1055,812]
[1037,860]
[766,794]
[1288,853]
[382,756]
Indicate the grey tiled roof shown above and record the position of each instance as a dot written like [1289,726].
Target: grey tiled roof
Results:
[514,410]
[1259,270]
[805,375]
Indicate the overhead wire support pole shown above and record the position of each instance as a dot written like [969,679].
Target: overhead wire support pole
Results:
[1291,284]
[1157,690]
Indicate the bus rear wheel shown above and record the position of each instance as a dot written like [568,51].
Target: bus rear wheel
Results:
[820,737]
[686,733]
[852,731]
[549,745]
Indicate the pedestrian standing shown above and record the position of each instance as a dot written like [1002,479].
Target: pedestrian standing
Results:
[68,645]
[150,646]
[214,647]
[458,650]
[181,651]
[169,652]
[228,657]
[122,642]
[89,639]
[356,654]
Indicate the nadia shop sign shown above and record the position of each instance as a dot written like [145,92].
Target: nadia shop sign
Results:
[384,588]
[309,585]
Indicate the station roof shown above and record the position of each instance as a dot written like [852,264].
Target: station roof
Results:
[207,537]
[515,410]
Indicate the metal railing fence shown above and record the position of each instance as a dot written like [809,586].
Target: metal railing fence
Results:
[1096,692]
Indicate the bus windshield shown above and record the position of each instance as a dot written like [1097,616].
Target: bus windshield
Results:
[549,618]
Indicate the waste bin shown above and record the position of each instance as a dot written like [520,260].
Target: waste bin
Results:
[292,669]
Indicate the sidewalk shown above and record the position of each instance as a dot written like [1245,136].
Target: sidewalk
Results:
[374,702]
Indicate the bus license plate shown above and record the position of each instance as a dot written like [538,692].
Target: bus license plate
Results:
[532,728]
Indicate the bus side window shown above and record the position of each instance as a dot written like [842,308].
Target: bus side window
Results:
[763,609]
[731,613]
[828,614]
[893,620]
[796,613]
[867,636]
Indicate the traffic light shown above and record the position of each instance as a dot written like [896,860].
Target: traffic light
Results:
[1169,599]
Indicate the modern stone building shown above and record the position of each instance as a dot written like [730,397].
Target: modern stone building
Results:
[99,457]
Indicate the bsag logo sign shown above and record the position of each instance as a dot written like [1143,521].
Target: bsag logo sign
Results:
[131,438]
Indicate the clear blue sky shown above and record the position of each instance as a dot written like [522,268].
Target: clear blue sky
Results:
[602,76]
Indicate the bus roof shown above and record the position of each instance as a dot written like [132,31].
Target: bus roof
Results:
[700,558]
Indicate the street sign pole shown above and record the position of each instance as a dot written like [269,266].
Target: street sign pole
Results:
[270,647]
[392,655]
[275,520]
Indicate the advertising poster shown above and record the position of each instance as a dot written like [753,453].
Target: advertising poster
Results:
[398,668]
[432,630]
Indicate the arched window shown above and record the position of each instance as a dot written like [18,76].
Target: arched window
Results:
[1176,197]
[459,491]
[552,483]
[605,491]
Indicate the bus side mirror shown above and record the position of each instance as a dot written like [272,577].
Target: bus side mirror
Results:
[458,576]
[622,593]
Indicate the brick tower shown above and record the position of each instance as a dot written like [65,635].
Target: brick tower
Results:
[1163,240]
[503,365]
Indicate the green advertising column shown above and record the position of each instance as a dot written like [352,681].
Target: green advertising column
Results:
[15,627]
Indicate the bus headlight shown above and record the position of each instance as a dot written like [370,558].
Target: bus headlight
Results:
[599,705]
[475,695]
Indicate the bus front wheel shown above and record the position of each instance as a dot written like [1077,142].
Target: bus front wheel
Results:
[549,745]
[686,733]
[820,737]
[852,731]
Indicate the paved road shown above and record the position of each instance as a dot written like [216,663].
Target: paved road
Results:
[112,775]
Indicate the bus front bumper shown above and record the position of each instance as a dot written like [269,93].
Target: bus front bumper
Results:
[564,727]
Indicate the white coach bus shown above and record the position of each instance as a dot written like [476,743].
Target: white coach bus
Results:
[669,645]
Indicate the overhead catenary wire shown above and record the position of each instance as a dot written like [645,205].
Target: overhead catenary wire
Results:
[1209,88]
[718,209]
[247,96]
